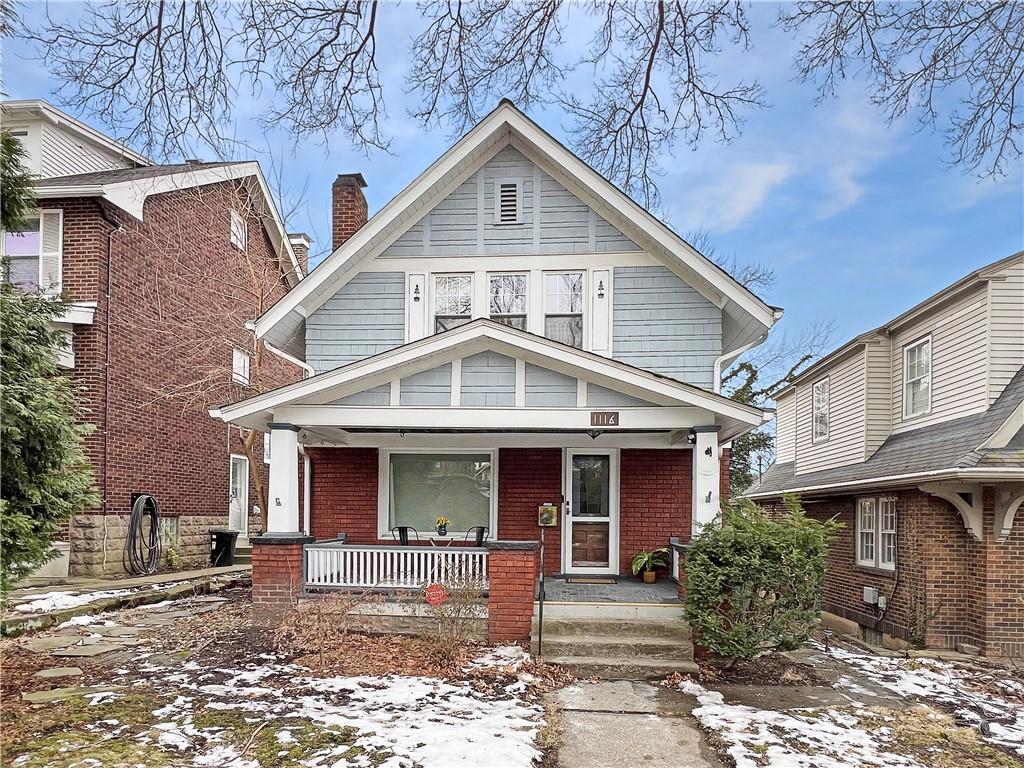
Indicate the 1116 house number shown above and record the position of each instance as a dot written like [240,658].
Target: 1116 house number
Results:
[604,418]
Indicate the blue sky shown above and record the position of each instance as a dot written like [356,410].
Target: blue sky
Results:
[859,219]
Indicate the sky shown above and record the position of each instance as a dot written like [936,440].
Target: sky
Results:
[860,220]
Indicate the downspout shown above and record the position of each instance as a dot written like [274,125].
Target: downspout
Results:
[717,380]
[106,362]
[307,485]
[306,367]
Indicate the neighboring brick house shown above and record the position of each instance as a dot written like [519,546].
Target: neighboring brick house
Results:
[163,265]
[912,435]
[511,330]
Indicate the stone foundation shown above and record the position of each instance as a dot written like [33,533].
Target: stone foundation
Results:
[97,542]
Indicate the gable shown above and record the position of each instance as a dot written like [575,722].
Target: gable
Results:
[552,219]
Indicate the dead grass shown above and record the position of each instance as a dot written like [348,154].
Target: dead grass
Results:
[770,669]
[549,737]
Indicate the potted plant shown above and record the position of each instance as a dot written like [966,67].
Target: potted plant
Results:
[648,561]
[441,524]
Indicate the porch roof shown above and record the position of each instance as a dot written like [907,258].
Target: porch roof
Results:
[655,403]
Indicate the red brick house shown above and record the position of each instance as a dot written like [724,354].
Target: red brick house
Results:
[510,331]
[163,265]
[912,435]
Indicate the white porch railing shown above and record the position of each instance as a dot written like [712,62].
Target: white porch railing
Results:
[332,565]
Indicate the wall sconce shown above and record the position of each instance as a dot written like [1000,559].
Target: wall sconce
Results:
[691,436]
[600,289]
[416,293]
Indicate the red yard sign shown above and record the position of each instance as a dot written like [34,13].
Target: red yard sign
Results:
[436,594]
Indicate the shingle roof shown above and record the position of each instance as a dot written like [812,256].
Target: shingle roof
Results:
[947,445]
[125,174]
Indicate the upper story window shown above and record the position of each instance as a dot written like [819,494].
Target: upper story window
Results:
[240,366]
[453,301]
[876,533]
[508,300]
[239,231]
[563,307]
[917,378]
[33,253]
[508,202]
[819,407]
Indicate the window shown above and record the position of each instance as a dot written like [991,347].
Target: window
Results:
[917,378]
[453,301]
[508,300]
[508,202]
[820,410]
[563,307]
[876,533]
[33,253]
[239,231]
[266,447]
[422,486]
[240,366]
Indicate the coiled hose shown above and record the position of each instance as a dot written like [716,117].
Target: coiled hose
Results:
[142,546]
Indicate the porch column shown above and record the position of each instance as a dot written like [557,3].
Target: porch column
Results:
[706,480]
[283,515]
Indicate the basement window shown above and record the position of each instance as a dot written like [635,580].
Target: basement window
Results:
[508,202]
[876,533]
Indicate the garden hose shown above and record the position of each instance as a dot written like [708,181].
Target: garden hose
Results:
[142,547]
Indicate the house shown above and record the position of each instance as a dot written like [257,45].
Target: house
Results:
[510,331]
[162,266]
[912,435]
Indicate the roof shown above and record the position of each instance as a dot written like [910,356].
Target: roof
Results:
[117,175]
[507,125]
[967,281]
[950,445]
[61,118]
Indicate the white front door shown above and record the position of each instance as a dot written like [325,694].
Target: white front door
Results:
[590,535]
[238,509]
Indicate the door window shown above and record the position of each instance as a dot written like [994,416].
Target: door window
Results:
[591,511]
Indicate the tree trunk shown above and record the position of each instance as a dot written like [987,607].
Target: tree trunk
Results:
[256,466]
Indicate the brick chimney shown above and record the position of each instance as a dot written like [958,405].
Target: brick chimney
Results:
[300,243]
[348,207]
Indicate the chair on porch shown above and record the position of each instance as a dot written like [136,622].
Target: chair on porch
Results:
[477,534]
[401,534]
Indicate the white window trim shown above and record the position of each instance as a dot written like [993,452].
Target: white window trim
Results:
[815,437]
[927,340]
[497,202]
[384,491]
[432,314]
[886,565]
[243,226]
[243,376]
[509,273]
[41,213]
[247,507]
[875,562]
[266,447]
[584,288]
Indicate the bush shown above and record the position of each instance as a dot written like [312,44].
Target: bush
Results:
[752,582]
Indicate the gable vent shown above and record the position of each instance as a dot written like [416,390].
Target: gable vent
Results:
[507,203]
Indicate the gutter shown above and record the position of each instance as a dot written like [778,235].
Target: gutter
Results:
[716,385]
[306,367]
[960,473]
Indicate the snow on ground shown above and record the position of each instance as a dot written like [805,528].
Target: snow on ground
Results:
[85,621]
[795,738]
[59,601]
[501,657]
[954,687]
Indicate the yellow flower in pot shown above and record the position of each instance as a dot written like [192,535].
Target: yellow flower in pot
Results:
[648,562]
[441,524]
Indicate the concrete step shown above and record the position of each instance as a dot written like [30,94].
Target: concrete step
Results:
[614,628]
[622,668]
[589,646]
[637,611]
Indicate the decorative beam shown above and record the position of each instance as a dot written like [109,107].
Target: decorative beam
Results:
[972,511]
[1008,501]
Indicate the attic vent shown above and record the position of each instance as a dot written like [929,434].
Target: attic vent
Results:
[507,202]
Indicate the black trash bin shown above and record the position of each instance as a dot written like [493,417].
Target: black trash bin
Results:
[222,547]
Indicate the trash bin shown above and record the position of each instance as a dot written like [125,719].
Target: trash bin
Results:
[222,547]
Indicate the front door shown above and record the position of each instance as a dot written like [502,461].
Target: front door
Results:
[238,509]
[590,538]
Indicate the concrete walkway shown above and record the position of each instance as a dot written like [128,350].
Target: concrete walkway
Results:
[625,722]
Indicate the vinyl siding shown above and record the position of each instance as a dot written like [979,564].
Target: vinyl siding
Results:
[365,317]
[601,397]
[959,382]
[845,444]
[1006,326]
[785,428]
[377,396]
[63,154]
[427,388]
[553,220]
[549,389]
[663,325]
[877,394]
[488,381]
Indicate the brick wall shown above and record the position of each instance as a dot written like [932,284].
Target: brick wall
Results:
[180,295]
[655,500]
[276,576]
[344,494]
[528,477]
[512,574]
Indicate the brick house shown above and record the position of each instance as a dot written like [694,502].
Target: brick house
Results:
[511,331]
[912,435]
[163,266]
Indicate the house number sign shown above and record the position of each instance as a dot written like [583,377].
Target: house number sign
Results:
[604,418]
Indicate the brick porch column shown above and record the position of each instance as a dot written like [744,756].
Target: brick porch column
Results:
[512,572]
[276,574]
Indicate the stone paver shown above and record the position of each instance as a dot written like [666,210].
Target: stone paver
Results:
[44,644]
[627,723]
[59,694]
[91,649]
[52,672]
[623,591]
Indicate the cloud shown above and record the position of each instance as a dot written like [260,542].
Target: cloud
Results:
[737,194]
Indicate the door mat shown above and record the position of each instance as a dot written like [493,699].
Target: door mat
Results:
[590,580]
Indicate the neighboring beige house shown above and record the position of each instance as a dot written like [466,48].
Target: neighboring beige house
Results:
[913,434]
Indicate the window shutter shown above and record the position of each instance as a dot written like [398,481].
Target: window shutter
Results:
[51,251]
[507,202]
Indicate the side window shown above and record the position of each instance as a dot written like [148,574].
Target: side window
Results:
[453,301]
[239,231]
[563,307]
[866,529]
[820,411]
[34,253]
[876,533]
[917,378]
[240,366]
[507,298]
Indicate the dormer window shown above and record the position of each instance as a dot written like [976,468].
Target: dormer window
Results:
[508,201]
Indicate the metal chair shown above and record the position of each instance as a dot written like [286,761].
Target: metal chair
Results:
[478,533]
[401,534]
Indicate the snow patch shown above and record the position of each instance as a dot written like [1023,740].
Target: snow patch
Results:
[501,657]
[60,601]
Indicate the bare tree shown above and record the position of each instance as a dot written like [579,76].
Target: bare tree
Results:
[921,57]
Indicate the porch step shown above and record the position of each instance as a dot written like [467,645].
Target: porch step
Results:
[622,668]
[243,554]
[589,646]
[614,628]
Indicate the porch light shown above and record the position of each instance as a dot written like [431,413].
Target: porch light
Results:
[416,293]
[594,433]
[600,289]
[691,436]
